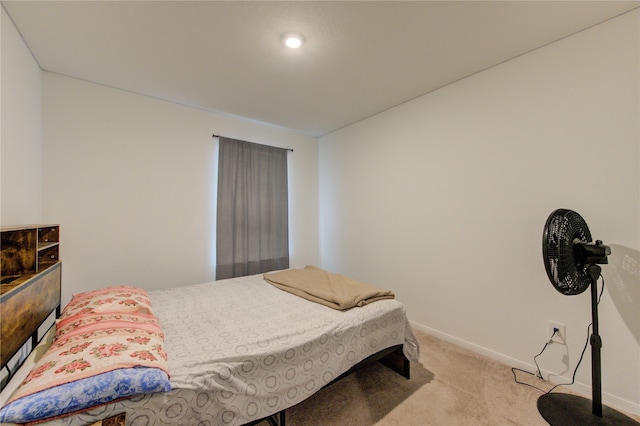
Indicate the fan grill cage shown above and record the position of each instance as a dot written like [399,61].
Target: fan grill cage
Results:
[563,229]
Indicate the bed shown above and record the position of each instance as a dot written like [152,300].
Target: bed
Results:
[242,350]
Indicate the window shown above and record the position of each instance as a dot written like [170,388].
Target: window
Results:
[252,230]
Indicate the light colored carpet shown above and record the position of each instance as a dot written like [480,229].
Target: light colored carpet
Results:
[449,386]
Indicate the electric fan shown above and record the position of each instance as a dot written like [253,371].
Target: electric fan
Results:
[571,261]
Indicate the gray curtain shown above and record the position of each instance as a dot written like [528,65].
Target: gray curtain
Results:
[252,232]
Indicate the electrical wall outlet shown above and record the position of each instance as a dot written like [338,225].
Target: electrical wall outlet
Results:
[558,337]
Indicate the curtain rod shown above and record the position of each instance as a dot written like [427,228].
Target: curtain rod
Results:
[220,136]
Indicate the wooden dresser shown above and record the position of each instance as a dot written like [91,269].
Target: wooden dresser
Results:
[30,273]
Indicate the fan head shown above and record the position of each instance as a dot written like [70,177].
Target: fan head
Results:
[561,251]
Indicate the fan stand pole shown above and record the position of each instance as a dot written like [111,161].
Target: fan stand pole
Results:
[596,345]
[562,409]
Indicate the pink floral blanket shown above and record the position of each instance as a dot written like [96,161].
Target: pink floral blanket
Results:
[88,344]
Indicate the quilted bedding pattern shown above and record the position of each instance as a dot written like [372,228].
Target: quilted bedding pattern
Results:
[241,349]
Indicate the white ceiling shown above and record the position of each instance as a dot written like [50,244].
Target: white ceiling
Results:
[360,57]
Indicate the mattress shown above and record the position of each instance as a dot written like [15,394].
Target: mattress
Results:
[241,349]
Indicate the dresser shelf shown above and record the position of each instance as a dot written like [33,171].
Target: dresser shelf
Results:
[26,251]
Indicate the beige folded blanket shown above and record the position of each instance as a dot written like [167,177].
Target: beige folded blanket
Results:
[333,290]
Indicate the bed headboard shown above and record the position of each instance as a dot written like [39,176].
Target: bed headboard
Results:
[30,293]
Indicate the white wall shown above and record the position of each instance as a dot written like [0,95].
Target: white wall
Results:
[21,134]
[131,180]
[444,199]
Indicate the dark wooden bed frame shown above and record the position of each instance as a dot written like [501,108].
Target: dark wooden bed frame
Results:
[30,288]
[24,311]
[25,307]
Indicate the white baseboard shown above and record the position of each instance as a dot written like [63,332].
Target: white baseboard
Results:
[607,398]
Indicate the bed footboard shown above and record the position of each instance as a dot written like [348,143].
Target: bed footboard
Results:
[398,362]
[392,357]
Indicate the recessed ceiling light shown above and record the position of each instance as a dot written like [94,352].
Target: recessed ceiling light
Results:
[293,40]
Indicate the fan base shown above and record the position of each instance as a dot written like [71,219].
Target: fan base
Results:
[564,409]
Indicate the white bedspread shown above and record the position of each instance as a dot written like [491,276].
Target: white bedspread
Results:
[241,349]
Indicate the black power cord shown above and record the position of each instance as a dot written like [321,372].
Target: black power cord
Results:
[538,373]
